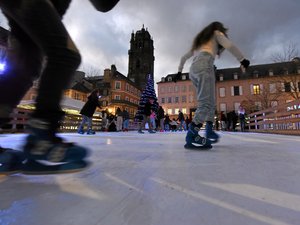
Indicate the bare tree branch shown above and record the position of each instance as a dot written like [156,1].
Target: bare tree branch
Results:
[288,52]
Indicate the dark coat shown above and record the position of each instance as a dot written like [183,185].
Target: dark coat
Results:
[147,109]
[90,106]
[160,113]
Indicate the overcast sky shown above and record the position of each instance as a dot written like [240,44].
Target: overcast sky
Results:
[259,28]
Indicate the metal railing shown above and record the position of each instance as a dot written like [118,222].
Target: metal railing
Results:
[70,122]
[282,119]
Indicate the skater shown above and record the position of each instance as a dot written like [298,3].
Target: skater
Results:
[119,116]
[209,43]
[88,111]
[160,117]
[40,47]
[146,116]
[181,120]
[242,117]
[126,118]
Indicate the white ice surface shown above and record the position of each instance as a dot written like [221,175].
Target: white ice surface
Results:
[150,179]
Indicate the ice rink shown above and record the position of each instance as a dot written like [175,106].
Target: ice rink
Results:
[150,179]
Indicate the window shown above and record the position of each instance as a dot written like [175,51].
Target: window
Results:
[176,111]
[162,90]
[223,107]
[235,76]
[117,97]
[33,97]
[183,77]
[183,98]
[287,87]
[162,100]
[271,73]
[191,98]
[274,103]
[257,105]
[105,92]
[255,73]
[255,89]
[169,78]
[169,111]
[221,77]
[222,92]
[127,87]
[191,88]
[236,90]
[236,106]
[183,110]
[176,89]
[169,99]
[126,99]
[176,99]
[170,89]
[183,88]
[104,103]
[272,87]
[117,85]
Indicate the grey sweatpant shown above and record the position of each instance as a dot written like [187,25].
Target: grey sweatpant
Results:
[202,76]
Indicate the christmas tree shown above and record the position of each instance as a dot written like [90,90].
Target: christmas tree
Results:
[148,92]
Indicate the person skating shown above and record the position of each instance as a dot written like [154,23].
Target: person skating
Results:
[209,43]
[146,116]
[40,47]
[88,111]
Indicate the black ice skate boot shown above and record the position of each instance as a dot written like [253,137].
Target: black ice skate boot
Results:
[10,161]
[210,134]
[43,144]
[194,140]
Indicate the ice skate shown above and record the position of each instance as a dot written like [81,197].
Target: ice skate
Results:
[90,132]
[10,161]
[35,167]
[43,144]
[195,141]
[210,134]
[80,131]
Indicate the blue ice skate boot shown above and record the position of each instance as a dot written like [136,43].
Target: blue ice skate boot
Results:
[210,134]
[90,132]
[151,131]
[11,161]
[194,140]
[80,131]
[43,144]
[140,132]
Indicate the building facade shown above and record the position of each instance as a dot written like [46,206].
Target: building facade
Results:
[262,86]
[141,57]
[117,91]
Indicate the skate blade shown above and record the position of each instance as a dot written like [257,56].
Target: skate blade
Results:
[194,147]
[36,168]
[8,173]
[214,141]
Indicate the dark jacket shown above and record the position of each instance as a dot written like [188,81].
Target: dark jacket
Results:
[180,116]
[147,109]
[125,115]
[90,106]
[160,113]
